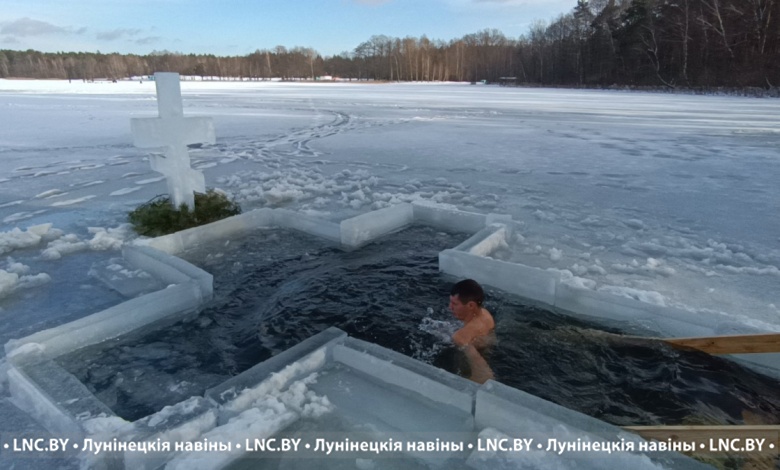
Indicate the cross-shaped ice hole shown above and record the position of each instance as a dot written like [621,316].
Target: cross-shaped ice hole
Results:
[173,132]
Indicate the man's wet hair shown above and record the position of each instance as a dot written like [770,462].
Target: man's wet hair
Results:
[467,291]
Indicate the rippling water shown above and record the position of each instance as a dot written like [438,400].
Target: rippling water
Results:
[277,288]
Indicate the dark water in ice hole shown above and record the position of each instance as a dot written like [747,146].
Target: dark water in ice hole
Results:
[277,288]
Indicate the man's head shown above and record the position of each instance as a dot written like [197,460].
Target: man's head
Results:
[466,299]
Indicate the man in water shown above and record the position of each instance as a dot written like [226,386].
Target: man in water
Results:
[466,299]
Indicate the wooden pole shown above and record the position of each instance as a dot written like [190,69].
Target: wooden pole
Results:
[735,344]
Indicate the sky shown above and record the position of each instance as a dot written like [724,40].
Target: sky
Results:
[239,27]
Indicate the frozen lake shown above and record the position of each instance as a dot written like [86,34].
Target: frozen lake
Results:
[276,288]
[669,199]
[664,198]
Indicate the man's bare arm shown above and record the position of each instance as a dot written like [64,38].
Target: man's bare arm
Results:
[480,370]
[465,338]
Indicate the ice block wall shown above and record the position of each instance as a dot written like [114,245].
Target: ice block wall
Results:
[189,287]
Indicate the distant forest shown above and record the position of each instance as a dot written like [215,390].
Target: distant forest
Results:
[670,43]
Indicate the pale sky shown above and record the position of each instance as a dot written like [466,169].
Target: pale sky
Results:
[238,27]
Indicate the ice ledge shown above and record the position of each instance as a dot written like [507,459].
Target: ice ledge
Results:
[190,287]
[470,259]
[436,402]
[269,397]
[106,324]
[349,234]
[516,413]
[230,389]
[242,404]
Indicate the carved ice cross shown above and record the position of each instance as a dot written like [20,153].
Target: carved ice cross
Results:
[172,131]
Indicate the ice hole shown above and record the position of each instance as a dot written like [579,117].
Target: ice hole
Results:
[275,288]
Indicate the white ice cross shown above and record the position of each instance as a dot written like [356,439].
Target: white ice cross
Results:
[172,131]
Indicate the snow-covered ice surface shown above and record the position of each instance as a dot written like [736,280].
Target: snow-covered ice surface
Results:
[664,198]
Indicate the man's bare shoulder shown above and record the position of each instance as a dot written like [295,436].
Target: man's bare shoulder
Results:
[488,320]
[474,330]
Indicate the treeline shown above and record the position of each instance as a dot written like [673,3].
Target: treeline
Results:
[296,63]
[689,43]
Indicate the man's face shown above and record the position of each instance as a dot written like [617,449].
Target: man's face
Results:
[459,309]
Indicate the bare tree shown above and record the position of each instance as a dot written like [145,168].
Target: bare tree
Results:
[714,21]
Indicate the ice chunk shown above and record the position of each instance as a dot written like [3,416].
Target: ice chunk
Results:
[29,397]
[102,239]
[409,412]
[446,218]
[64,246]
[29,281]
[16,238]
[298,354]
[65,391]
[307,224]
[27,349]
[106,427]
[485,241]
[277,381]
[169,269]
[501,219]
[186,421]
[109,239]
[568,278]
[259,422]
[128,282]
[39,230]
[518,279]
[11,281]
[649,297]
[517,413]
[397,369]
[8,282]
[114,321]
[275,404]
[19,425]
[18,268]
[666,320]
[364,228]
[226,228]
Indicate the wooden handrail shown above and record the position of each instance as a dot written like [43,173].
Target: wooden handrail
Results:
[727,344]
[733,344]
